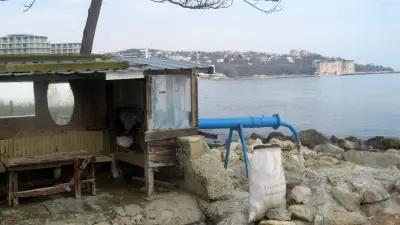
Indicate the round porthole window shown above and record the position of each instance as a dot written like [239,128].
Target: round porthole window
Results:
[60,99]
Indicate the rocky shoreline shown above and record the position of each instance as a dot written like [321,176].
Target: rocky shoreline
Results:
[345,182]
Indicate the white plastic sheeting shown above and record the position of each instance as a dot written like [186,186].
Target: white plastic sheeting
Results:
[171,101]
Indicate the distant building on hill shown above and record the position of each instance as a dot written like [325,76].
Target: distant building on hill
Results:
[299,53]
[28,44]
[139,53]
[335,67]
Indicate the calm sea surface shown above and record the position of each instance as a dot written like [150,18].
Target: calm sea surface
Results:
[362,106]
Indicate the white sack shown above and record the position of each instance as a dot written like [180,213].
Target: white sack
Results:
[124,141]
[267,181]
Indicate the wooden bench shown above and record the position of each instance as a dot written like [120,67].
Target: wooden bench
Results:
[80,160]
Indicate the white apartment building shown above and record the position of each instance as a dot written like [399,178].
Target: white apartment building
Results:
[65,48]
[22,44]
[27,44]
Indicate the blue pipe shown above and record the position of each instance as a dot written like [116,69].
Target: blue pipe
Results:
[238,123]
[235,122]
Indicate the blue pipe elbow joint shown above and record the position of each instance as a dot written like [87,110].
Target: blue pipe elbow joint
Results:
[238,123]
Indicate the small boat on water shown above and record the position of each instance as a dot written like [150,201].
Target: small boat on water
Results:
[215,76]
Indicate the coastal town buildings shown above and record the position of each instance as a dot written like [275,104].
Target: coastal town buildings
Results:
[28,44]
[335,67]
[139,53]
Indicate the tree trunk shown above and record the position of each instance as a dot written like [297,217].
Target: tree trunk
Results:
[90,27]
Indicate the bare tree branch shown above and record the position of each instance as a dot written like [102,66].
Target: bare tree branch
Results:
[275,8]
[199,4]
[265,6]
[29,5]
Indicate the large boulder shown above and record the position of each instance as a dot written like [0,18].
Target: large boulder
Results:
[348,144]
[373,159]
[302,212]
[203,171]
[239,218]
[210,180]
[285,145]
[311,138]
[348,199]
[383,143]
[301,195]
[276,222]
[388,219]
[322,161]
[279,136]
[338,216]
[370,190]
[191,147]
[256,136]
[278,214]
[330,149]
[217,211]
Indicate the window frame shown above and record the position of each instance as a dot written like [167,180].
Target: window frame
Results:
[73,106]
[33,103]
[160,134]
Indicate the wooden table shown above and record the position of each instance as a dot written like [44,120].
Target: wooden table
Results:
[80,160]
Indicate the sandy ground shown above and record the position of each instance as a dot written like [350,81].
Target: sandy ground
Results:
[112,194]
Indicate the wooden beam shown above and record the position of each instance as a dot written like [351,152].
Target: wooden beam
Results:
[51,77]
[167,134]
[182,71]
[60,188]
[194,98]
[132,157]
[148,116]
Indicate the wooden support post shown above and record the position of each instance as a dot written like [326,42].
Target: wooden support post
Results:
[12,188]
[149,176]
[93,176]
[77,178]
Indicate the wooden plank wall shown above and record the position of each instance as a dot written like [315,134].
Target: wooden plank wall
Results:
[161,153]
[88,129]
[91,141]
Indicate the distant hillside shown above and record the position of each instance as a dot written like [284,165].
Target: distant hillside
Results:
[233,63]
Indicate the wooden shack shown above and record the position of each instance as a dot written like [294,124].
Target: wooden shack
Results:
[130,110]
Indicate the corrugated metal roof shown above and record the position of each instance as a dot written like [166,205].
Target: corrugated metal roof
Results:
[155,63]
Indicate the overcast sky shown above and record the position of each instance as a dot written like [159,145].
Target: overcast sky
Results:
[367,31]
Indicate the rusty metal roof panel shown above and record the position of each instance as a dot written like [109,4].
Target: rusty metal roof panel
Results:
[54,64]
